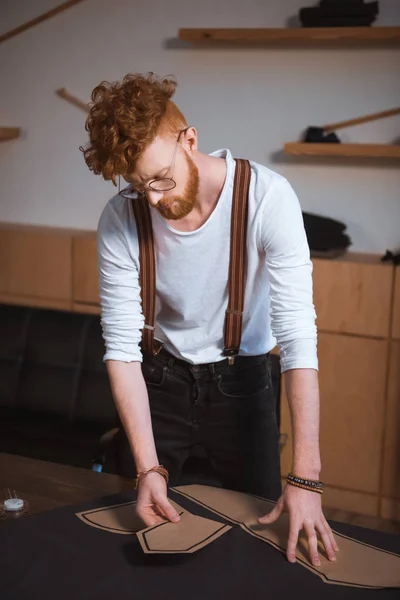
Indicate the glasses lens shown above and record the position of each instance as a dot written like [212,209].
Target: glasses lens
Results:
[162,185]
[129,193]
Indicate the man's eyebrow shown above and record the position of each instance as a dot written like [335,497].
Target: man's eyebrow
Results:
[155,176]
[160,173]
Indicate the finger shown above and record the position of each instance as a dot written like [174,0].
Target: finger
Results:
[331,535]
[292,541]
[168,510]
[159,512]
[272,516]
[326,540]
[148,517]
[312,543]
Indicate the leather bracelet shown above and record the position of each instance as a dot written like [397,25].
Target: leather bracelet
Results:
[311,485]
[310,482]
[304,487]
[158,469]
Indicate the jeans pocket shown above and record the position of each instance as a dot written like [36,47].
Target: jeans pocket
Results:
[154,374]
[245,383]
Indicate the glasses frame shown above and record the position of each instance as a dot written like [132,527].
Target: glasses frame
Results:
[130,190]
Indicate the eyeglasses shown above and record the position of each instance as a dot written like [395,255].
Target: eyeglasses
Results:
[163,184]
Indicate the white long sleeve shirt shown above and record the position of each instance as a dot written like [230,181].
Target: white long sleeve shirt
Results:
[192,278]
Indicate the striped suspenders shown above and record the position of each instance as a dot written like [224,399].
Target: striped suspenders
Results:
[237,266]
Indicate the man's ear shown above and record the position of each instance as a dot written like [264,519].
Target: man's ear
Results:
[190,139]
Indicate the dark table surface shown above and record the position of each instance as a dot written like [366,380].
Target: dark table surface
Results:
[46,485]
[56,555]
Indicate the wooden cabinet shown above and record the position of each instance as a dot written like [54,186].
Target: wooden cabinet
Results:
[357,301]
[353,295]
[352,388]
[85,291]
[396,306]
[35,266]
[359,385]
[391,456]
[49,267]
[352,402]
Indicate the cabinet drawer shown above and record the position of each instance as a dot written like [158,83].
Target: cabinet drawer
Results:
[85,270]
[396,307]
[352,385]
[35,263]
[353,297]
[391,456]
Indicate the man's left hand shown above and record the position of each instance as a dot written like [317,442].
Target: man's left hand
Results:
[305,512]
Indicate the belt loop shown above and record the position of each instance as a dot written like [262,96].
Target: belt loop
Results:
[231,360]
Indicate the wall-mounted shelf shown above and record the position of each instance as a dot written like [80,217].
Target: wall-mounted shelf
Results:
[352,150]
[294,36]
[9,133]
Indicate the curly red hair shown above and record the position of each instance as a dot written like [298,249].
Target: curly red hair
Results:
[125,117]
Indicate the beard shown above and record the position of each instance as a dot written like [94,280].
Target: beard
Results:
[178,207]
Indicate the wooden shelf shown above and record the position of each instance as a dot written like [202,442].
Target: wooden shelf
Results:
[352,150]
[294,36]
[9,133]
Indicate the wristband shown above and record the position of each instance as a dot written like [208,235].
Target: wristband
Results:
[158,469]
[306,484]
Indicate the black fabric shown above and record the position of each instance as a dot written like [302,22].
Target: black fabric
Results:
[347,8]
[363,21]
[392,257]
[341,2]
[55,555]
[228,410]
[325,234]
[316,135]
[339,14]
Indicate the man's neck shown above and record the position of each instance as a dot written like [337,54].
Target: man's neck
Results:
[212,174]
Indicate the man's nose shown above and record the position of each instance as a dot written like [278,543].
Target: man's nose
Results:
[153,197]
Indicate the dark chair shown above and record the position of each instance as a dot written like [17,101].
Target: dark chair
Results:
[55,398]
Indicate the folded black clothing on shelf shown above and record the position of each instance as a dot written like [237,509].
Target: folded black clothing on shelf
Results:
[342,10]
[316,135]
[342,2]
[337,21]
[325,234]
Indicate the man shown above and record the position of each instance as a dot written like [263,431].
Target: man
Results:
[190,392]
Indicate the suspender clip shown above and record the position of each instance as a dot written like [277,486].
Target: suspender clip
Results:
[231,353]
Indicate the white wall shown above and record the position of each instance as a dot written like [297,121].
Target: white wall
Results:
[250,100]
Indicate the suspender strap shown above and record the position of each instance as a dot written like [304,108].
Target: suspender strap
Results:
[237,263]
[147,273]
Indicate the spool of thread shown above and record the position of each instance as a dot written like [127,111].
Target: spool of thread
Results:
[13,504]
[13,507]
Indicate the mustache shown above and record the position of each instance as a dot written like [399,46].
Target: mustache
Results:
[164,205]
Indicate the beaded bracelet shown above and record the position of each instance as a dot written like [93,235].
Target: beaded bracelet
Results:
[158,469]
[307,484]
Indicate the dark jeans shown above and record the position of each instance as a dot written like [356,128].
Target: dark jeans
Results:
[230,410]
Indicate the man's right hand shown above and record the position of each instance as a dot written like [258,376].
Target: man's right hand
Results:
[152,503]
